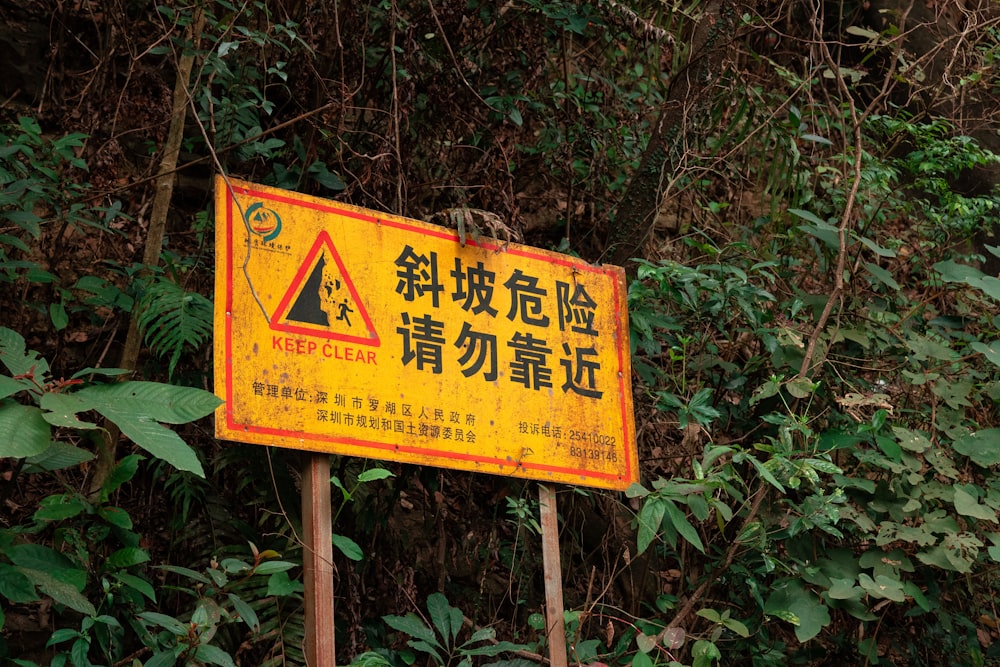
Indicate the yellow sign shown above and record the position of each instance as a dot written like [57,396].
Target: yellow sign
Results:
[349,331]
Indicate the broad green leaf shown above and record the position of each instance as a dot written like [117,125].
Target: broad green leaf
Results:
[272,566]
[61,592]
[348,547]
[121,473]
[105,372]
[151,400]
[801,387]
[138,583]
[882,587]
[41,557]
[57,456]
[185,572]
[58,315]
[811,217]
[882,276]
[9,386]
[683,526]
[156,439]
[913,441]
[650,520]
[127,557]
[983,447]
[967,505]
[214,656]
[279,584]
[991,351]
[443,616]
[116,516]
[246,612]
[23,431]
[168,623]
[15,586]
[166,658]
[791,600]
[374,474]
[844,589]
[17,359]
[876,248]
[60,410]
[412,626]
[59,507]
[645,643]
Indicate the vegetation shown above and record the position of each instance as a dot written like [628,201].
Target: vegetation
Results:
[805,195]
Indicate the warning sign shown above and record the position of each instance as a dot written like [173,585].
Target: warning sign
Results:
[321,300]
[349,331]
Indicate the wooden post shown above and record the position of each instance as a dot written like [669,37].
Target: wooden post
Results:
[555,622]
[317,561]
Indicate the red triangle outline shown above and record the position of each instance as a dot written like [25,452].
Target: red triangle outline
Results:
[322,239]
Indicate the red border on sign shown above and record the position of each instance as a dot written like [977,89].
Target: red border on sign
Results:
[375,446]
[323,239]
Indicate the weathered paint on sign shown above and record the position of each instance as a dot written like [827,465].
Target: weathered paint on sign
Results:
[348,331]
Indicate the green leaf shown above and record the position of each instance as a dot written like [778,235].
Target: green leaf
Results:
[57,456]
[59,507]
[246,612]
[882,276]
[411,626]
[650,520]
[123,471]
[156,439]
[913,441]
[151,400]
[9,386]
[789,599]
[166,658]
[168,623]
[983,447]
[116,516]
[18,360]
[214,655]
[882,587]
[272,566]
[61,592]
[23,431]
[348,547]
[40,557]
[801,387]
[683,526]
[811,217]
[137,583]
[373,474]
[990,351]
[279,584]
[15,586]
[185,572]
[127,557]
[445,618]
[967,505]
[61,410]
[58,314]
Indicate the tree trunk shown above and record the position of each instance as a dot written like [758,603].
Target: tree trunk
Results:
[682,116]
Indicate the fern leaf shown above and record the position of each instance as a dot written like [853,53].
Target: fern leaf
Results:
[173,319]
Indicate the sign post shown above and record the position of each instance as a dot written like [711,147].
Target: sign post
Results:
[341,330]
[555,622]
[317,561]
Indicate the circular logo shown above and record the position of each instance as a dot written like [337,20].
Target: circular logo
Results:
[263,221]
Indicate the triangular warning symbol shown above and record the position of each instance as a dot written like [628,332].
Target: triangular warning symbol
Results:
[322,301]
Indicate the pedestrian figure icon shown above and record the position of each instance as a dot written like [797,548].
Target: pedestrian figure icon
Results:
[344,308]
